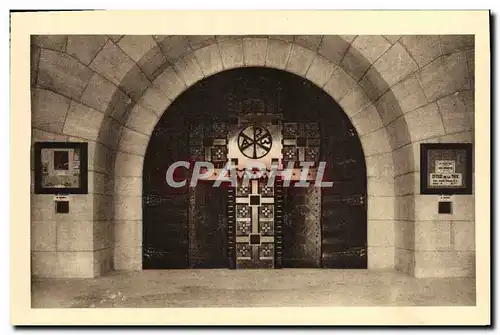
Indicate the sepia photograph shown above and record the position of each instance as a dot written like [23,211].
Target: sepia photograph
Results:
[240,170]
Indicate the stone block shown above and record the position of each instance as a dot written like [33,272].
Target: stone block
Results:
[371,46]
[404,160]
[98,93]
[354,63]
[48,110]
[100,183]
[76,264]
[75,235]
[339,84]
[200,41]
[404,207]
[408,183]
[395,64]
[254,51]
[277,53]
[376,142]
[457,112]
[231,52]
[128,165]
[110,132]
[128,186]
[444,76]
[404,234]
[174,46]
[381,186]
[462,137]
[134,83]
[397,132]
[142,120]
[103,261]
[424,122]
[128,258]
[300,59]
[405,261]
[209,59]
[44,264]
[444,264]
[104,158]
[119,106]
[133,142]
[354,101]
[432,235]
[311,42]
[380,165]
[85,47]
[112,63]
[62,73]
[422,48]
[333,47]
[463,235]
[103,207]
[128,233]
[381,233]
[464,207]
[83,121]
[43,235]
[409,94]
[320,70]
[53,42]
[136,46]
[367,120]
[170,83]
[153,62]
[373,84]
[155,100]
[42,207]
[380,258]
[381,208]
[103,234]
[454,43]
[128,207]
[188,69]
[388,108]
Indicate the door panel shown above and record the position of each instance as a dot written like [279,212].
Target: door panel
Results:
[208,227]
[301,228]
[254,235]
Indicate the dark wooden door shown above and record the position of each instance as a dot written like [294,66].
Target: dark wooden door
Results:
[208,227]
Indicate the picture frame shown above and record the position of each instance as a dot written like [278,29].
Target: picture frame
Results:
[61,167]
[446,168]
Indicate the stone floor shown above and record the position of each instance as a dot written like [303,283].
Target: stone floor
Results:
[251,288]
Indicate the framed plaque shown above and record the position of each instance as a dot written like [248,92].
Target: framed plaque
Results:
[61,168]
[446,168]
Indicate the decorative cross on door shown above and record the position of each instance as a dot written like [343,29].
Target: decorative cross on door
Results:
[255,225]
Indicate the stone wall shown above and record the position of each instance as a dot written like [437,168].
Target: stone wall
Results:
[399,91]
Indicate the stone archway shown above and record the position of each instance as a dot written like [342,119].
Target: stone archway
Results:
[298,59]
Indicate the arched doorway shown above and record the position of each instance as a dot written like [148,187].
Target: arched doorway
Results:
[207,227]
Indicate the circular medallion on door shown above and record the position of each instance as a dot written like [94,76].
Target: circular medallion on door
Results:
[254,141]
